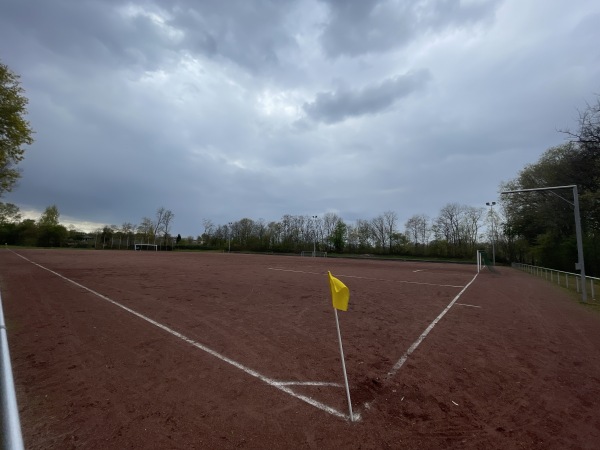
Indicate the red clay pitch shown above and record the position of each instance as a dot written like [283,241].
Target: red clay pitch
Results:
[190,350]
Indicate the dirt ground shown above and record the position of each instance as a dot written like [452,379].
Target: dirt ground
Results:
[514,362]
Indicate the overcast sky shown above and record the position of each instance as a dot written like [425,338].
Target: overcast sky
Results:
[221,110]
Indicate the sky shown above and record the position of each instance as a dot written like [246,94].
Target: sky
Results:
[222,110]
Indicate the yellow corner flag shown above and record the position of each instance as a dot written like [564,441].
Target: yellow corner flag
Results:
[340,294]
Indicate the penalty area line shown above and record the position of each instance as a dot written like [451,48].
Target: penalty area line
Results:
[282,386]
[367,278]
[308,383]
[420,339]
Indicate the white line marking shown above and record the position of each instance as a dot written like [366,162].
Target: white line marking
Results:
[420,339]
[367,278]
[472,306]
[271,382]
[418,270]
[296,271]
[308,383]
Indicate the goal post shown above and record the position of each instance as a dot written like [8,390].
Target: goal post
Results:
[140,247]
[483,261]
[479,260]
[579,265]
[314,254]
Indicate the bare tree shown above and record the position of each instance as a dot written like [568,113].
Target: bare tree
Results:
[418,230]
[424,229]
[379,228]
[390,219]
[158,223]
[209,229]
[458,226]
[160,226]
[411,229]
[471,223]
[260,227]
[127,228]
[588,134]
[146,230]
[167,221]
[364,233]
[245,228]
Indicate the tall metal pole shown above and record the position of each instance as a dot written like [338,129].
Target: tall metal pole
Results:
[491,205]
[314,236]
[581,264]
[230,236]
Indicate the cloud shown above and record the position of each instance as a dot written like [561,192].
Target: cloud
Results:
[252,35]
[214,109]
[371,26]
[332,107]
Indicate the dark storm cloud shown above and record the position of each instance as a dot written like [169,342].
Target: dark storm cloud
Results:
[331,107]
[85,33]
[208,107]
[251,34]
[372,26]
[145,35]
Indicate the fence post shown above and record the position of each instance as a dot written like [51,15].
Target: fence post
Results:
[9,414]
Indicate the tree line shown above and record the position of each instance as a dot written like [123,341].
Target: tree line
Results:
[47,231]
[454,233]
[537,228]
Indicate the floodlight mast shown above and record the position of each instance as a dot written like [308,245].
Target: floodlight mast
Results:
[580,265]
[491,205]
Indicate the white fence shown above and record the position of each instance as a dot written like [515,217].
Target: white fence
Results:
[567,279]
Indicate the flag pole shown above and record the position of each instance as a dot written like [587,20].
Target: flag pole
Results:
[337,323]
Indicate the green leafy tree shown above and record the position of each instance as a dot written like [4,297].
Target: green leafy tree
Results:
[544,220]
[15,131]
[9,218]
[51,232]
[49,217]
[338,238]
[27,232]
[106,235]
[9,213]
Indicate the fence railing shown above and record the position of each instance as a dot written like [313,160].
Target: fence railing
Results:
[569,280]
[12,438]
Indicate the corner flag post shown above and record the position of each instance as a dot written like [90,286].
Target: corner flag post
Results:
[340,295]
[337,323]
